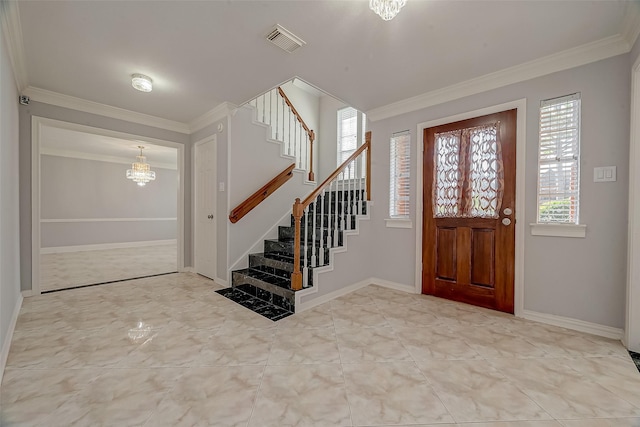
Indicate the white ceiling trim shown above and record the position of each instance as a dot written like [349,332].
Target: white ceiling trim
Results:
[100,157]
[12,32]
[581,55]
[631,24]
[212,116]
[66,101]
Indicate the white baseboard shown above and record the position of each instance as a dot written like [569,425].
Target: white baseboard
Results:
[123,245]
[187,270]
[300,307]
[574,324]
[7,339]
[393,285]
[219,281]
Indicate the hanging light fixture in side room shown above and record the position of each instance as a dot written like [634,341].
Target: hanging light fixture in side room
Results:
[140,171]
[142,83]
[387,9]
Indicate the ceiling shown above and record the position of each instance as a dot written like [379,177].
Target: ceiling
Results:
[71,143]
[201,54]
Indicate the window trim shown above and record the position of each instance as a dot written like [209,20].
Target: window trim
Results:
[559,229]
[392,180]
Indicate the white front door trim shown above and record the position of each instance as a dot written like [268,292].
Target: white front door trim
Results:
[631,337]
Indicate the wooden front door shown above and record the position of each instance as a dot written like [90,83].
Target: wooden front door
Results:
[468,242]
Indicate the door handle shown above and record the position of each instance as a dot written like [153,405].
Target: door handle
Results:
[506,221]
[210,216]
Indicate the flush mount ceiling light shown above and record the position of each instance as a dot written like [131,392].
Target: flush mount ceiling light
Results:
[140,171]
[141,82]
[387,9]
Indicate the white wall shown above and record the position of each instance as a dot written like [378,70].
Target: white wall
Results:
[104,193]
[9,212]
[577,278]
[252,163]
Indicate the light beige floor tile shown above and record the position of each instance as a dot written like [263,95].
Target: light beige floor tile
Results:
[319,317]
[620,377]
[35,397]
[604,422]
[98,356]
[562,391]
[358,316]
[120,397]
[434,343]
[370,345]
[304,346]
[474,391]
[64,270]
[491,341]
[402,315]
[237,347]
[549,423]
[301,395]
[391,393]
[211,396]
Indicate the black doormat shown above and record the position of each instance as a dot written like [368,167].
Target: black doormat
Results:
[636,358]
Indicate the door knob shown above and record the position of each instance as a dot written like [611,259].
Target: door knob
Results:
[210,216]
[506,221]
[507,211]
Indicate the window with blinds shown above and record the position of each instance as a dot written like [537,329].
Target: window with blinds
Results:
[559,160]
[347,136]
[399,175]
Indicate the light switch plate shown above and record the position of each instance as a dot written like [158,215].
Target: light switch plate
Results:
[221,186]
[605,174]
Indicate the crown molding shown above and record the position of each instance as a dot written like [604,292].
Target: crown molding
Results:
[631,23]
[581,55]
[212,116]
[66,101]
[101,157]
[12,32]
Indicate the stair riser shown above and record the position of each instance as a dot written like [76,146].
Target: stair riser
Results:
[287,247]
[276,295]
[288,233]
[257,260]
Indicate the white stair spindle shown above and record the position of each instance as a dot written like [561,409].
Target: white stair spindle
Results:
[334,242]
[322,241]
[314,255]
[304,252]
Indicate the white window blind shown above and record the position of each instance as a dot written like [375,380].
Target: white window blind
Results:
[399,175]
[559,160]
[347,135]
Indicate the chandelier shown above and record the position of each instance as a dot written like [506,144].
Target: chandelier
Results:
[140,171]
[387,9]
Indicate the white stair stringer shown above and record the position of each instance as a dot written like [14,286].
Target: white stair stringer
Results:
[317,294]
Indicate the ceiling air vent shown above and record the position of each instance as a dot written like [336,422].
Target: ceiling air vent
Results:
[284,39]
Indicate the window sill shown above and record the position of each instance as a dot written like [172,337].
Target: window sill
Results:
[559,230]
[398,223]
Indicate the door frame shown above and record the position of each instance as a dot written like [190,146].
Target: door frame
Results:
[631,336]
[521,106]
[37,123]
[194,194]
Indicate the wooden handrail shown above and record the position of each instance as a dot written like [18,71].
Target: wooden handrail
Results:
[256,198]
[312,135]
[300,206]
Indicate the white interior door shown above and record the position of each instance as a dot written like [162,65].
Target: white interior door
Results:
[205,203]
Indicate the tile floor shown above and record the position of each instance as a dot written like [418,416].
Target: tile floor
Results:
[169,351]
[71,269]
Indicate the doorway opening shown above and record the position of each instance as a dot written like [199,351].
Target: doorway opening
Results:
[91,225]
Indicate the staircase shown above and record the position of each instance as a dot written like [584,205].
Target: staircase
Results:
[265,286]
[318,223]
